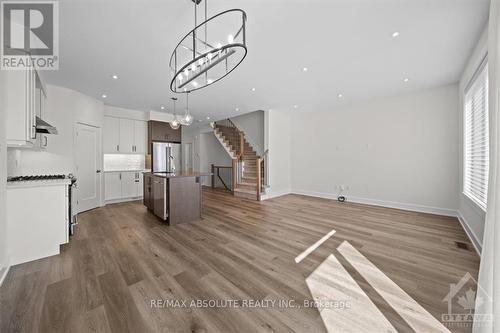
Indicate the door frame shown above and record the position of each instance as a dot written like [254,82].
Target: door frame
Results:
[99,159]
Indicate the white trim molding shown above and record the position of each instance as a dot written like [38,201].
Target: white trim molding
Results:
[384,203]
[3,273]
[472,236]
[275,194]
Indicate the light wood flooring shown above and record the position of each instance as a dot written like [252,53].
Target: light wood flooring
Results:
[122,258]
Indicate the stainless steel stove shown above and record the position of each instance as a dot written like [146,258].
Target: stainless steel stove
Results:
[38,177]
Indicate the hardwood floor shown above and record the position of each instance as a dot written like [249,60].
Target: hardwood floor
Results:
[122,259]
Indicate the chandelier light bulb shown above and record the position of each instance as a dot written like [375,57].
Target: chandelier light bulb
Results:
[200,62]
[230,39]
[219,45]
[186,72]
[193,67]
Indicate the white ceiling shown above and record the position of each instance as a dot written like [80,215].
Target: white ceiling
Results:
[347,46]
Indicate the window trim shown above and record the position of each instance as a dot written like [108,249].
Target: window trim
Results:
[482,65]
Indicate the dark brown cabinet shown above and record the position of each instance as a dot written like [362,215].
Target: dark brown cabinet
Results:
[148,191]
[162,132]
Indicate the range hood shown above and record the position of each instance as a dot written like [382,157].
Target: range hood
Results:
[44,127]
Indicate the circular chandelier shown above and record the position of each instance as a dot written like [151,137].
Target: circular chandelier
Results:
[210,51]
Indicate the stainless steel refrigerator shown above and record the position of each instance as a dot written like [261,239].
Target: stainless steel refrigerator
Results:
[166,157]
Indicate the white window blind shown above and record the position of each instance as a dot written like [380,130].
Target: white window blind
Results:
[476,136]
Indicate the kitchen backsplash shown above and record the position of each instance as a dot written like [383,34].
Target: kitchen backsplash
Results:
[123,162]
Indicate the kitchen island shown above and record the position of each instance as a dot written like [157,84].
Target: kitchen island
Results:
[174,197]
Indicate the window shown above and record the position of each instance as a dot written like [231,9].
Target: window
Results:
[476,136]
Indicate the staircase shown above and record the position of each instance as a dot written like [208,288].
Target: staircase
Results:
[247,165]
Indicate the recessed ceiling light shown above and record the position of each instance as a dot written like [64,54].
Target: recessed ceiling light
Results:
[208,118]
[253,89]
[237,109]
[340,95]
[295,106]
[104,95]
[305,69]
[406,80]
[162,107]
[194,83]
[115,77]
[395,34]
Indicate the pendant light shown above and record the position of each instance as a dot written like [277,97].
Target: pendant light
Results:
[187,119]
[175,124]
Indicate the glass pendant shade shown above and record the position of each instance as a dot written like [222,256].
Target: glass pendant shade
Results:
[175,123]
[187,119]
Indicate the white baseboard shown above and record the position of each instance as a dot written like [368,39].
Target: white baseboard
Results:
[275,194]
[472,236]
[110,202]
[384,203]
[3,273]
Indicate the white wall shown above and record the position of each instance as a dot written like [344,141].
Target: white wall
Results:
[471,215]
[64,108]
[397,151]
[207,149]
[278,139]
[211,152]
[4,262]
[253,125]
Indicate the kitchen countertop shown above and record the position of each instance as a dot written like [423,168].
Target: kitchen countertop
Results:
[38,183]
[180,174]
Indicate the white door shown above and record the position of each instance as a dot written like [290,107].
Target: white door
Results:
[126,136]
[111,135]
[129,187]
[112,186]
[88,167]
[140,136]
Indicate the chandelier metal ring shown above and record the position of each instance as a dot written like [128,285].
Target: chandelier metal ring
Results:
[205,67]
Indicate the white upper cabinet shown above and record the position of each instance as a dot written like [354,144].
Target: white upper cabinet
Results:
[140,137]
[20,107]
[111,135]
[126,136]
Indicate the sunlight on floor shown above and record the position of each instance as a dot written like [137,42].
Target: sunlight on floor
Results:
[412,312]
[313,247]
[345,307]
